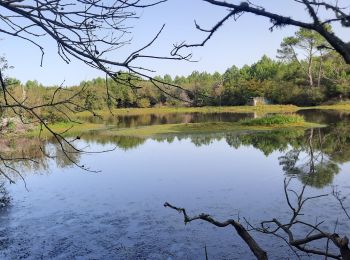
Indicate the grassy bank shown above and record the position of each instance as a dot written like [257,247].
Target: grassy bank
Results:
[66,129]
[345,106]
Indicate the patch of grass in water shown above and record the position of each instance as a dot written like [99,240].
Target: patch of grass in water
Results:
[281,119]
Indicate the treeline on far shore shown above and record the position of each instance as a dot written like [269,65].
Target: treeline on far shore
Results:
[320,76]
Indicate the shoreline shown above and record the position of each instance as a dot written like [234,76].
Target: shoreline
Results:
[84,126]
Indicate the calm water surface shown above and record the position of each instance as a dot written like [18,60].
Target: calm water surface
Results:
[118,213]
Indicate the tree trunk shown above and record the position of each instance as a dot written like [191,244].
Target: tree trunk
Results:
[309,69]
[320,71]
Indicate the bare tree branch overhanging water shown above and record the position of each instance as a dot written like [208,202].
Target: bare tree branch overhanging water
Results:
[286,229]
[338,12]
[91,31]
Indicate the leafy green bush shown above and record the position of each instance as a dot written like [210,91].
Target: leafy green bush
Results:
[280,119]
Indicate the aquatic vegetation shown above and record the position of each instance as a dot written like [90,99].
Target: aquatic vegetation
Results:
[280,119]
[268,123]
[65,128]
[209,127]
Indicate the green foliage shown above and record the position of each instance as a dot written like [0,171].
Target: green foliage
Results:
[51,116]
[279,82]
[280,119]
[264,69]
[304,76]
[143,102]
[90,101]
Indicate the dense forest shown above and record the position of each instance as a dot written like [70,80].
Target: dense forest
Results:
[306,72]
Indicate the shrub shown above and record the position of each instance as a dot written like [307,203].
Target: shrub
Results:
[143,103]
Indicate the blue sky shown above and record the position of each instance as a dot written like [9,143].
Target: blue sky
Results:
[237,43]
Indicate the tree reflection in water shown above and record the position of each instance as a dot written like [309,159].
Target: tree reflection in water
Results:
[314,156]
[20,156]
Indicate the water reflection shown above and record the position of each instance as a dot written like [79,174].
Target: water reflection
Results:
[314,155]
[119,214]
[22,156]
[124,121]
[310,162]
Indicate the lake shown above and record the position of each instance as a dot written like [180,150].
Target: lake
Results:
[117,212]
